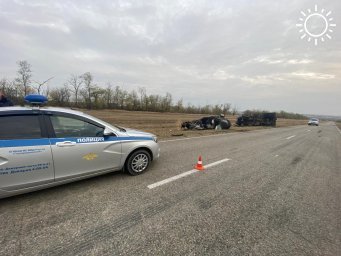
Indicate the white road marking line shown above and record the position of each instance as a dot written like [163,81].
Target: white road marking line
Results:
[216,163]
[163,182]
[175,139]
[179,176]
[290,137]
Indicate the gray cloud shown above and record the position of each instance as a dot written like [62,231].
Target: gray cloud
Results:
[248,53]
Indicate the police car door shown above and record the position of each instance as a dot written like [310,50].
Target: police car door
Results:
[25,153]
[79,147]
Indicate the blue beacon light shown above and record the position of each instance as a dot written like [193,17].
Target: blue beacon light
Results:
[36,99]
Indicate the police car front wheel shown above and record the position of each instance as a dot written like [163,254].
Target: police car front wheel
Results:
[138,162]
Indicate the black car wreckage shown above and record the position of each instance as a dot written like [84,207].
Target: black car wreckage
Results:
[210,122]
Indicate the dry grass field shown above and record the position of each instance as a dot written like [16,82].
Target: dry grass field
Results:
[166,125]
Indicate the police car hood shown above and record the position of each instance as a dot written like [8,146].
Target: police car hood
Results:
[137,133]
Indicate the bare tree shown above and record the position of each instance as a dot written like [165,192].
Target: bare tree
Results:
[24,76]
[7,87]
[108,95]
[179,106]
[226,108]
[61,96]
[132,101]
[143,93]
[167,102]
[76,83]
[154,102]
[122,99]
[83,88]
[89,87]
[235,110]
[116,96]
[40,84]
[47,91]
[3,85]
[97,93]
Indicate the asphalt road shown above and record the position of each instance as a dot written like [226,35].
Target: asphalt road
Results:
[278,194]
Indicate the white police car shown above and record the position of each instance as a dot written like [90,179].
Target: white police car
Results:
[44,147]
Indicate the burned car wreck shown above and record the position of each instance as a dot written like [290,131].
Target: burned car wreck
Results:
[257,119]
[210,122]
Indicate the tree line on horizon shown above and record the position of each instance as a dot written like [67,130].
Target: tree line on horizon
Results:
[81,91]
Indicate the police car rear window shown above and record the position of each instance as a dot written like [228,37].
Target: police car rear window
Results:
[19,127]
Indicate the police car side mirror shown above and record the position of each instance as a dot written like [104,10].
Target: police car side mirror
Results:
[108,132]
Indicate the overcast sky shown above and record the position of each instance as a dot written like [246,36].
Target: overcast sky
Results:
[247,53]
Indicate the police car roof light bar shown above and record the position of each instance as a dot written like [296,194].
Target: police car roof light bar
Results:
[36,100]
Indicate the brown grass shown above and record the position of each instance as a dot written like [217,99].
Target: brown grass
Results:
[166,125]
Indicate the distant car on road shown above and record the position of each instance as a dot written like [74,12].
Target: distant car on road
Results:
[43,147]
[313,121]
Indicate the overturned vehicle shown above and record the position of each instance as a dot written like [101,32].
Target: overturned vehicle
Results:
[257,119]
[210,122]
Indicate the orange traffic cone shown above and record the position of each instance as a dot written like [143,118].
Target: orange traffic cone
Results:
[199,165]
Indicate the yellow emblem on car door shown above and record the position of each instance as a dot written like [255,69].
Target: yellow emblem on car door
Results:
[90,156]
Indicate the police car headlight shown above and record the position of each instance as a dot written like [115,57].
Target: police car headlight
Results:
[155,139]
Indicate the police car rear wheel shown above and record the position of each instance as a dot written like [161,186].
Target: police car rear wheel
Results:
[138,162]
